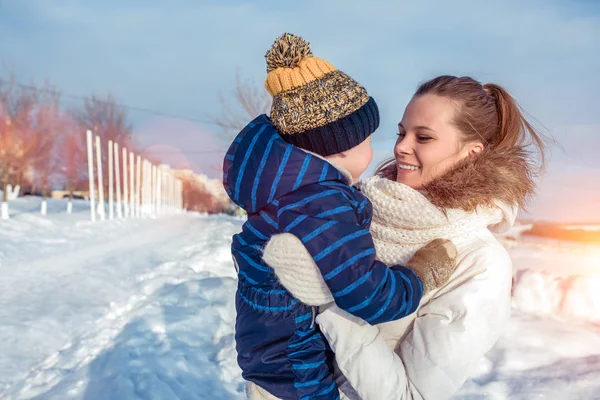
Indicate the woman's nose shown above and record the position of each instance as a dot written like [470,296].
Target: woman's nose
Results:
[404,145]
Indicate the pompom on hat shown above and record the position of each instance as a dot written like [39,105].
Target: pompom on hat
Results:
[316,106]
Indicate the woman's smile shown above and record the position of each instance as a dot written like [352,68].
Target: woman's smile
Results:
[407,168]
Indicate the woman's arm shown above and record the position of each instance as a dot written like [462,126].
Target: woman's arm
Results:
[449,335]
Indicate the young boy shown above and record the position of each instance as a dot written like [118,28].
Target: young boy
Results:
[281,171]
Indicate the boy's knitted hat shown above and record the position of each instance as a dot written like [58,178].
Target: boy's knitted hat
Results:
[315,106]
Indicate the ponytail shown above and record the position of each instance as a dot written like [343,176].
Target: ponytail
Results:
[513,128]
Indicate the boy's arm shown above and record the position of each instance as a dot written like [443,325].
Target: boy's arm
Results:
[345,254]
[434,264]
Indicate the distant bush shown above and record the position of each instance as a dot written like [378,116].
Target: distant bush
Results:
[203,194]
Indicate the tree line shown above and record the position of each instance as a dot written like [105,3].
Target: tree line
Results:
[43,145]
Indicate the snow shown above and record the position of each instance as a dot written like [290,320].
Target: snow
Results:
[539,359]
[120,309]
[144,308]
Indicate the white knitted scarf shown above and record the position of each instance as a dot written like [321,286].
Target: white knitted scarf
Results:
[404,220]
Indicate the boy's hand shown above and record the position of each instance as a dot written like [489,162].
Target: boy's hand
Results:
[434,263]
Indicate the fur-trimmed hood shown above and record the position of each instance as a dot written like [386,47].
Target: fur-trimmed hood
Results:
[490,178]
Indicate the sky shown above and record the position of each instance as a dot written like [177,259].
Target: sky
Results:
[177,59]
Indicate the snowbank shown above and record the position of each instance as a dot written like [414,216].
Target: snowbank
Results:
[562,282]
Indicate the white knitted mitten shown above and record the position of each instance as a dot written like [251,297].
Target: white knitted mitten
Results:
[296,269]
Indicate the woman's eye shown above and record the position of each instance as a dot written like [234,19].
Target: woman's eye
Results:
[424,138]
[401,134]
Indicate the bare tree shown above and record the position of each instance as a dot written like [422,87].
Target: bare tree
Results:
[49,125]
[7,149]
[106,119]
[109,121]
[18,107]
[244,103]
[73,154]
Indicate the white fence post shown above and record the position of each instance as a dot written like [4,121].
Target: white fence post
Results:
[143,188]
[147,183]
[177,208]
[148,188]
[168,191]
[91,174]
[131,184]
[118,180]
[180,194]
[138,186]
[175,196]
[4,208]
[172,187]
[159,197]
[125,192]
[149,194]
[153,193]
[44,207]
[111,213]
[100,179]
[164,183]
[142,183]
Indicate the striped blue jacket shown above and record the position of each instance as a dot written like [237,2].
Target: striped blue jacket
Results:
[284,189]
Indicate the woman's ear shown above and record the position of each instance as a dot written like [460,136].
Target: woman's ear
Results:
[474,148]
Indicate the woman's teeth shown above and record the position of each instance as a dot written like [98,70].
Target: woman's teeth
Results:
[408,167]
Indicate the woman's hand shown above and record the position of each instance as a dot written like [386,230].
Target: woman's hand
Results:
[434,263]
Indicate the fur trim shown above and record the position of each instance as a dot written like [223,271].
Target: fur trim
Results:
[490,177]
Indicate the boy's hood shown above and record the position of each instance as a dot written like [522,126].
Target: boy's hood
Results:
[260,167]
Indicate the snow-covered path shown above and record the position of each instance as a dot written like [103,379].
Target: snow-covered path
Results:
[145,313]
[144,309]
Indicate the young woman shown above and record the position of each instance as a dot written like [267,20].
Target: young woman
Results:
[464,162]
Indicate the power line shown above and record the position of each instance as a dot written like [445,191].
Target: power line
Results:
[190,152]
[129,107]
[142,109]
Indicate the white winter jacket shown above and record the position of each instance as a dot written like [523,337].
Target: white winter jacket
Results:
[431,353]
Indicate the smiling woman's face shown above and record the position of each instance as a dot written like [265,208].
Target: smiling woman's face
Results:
[428,142]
